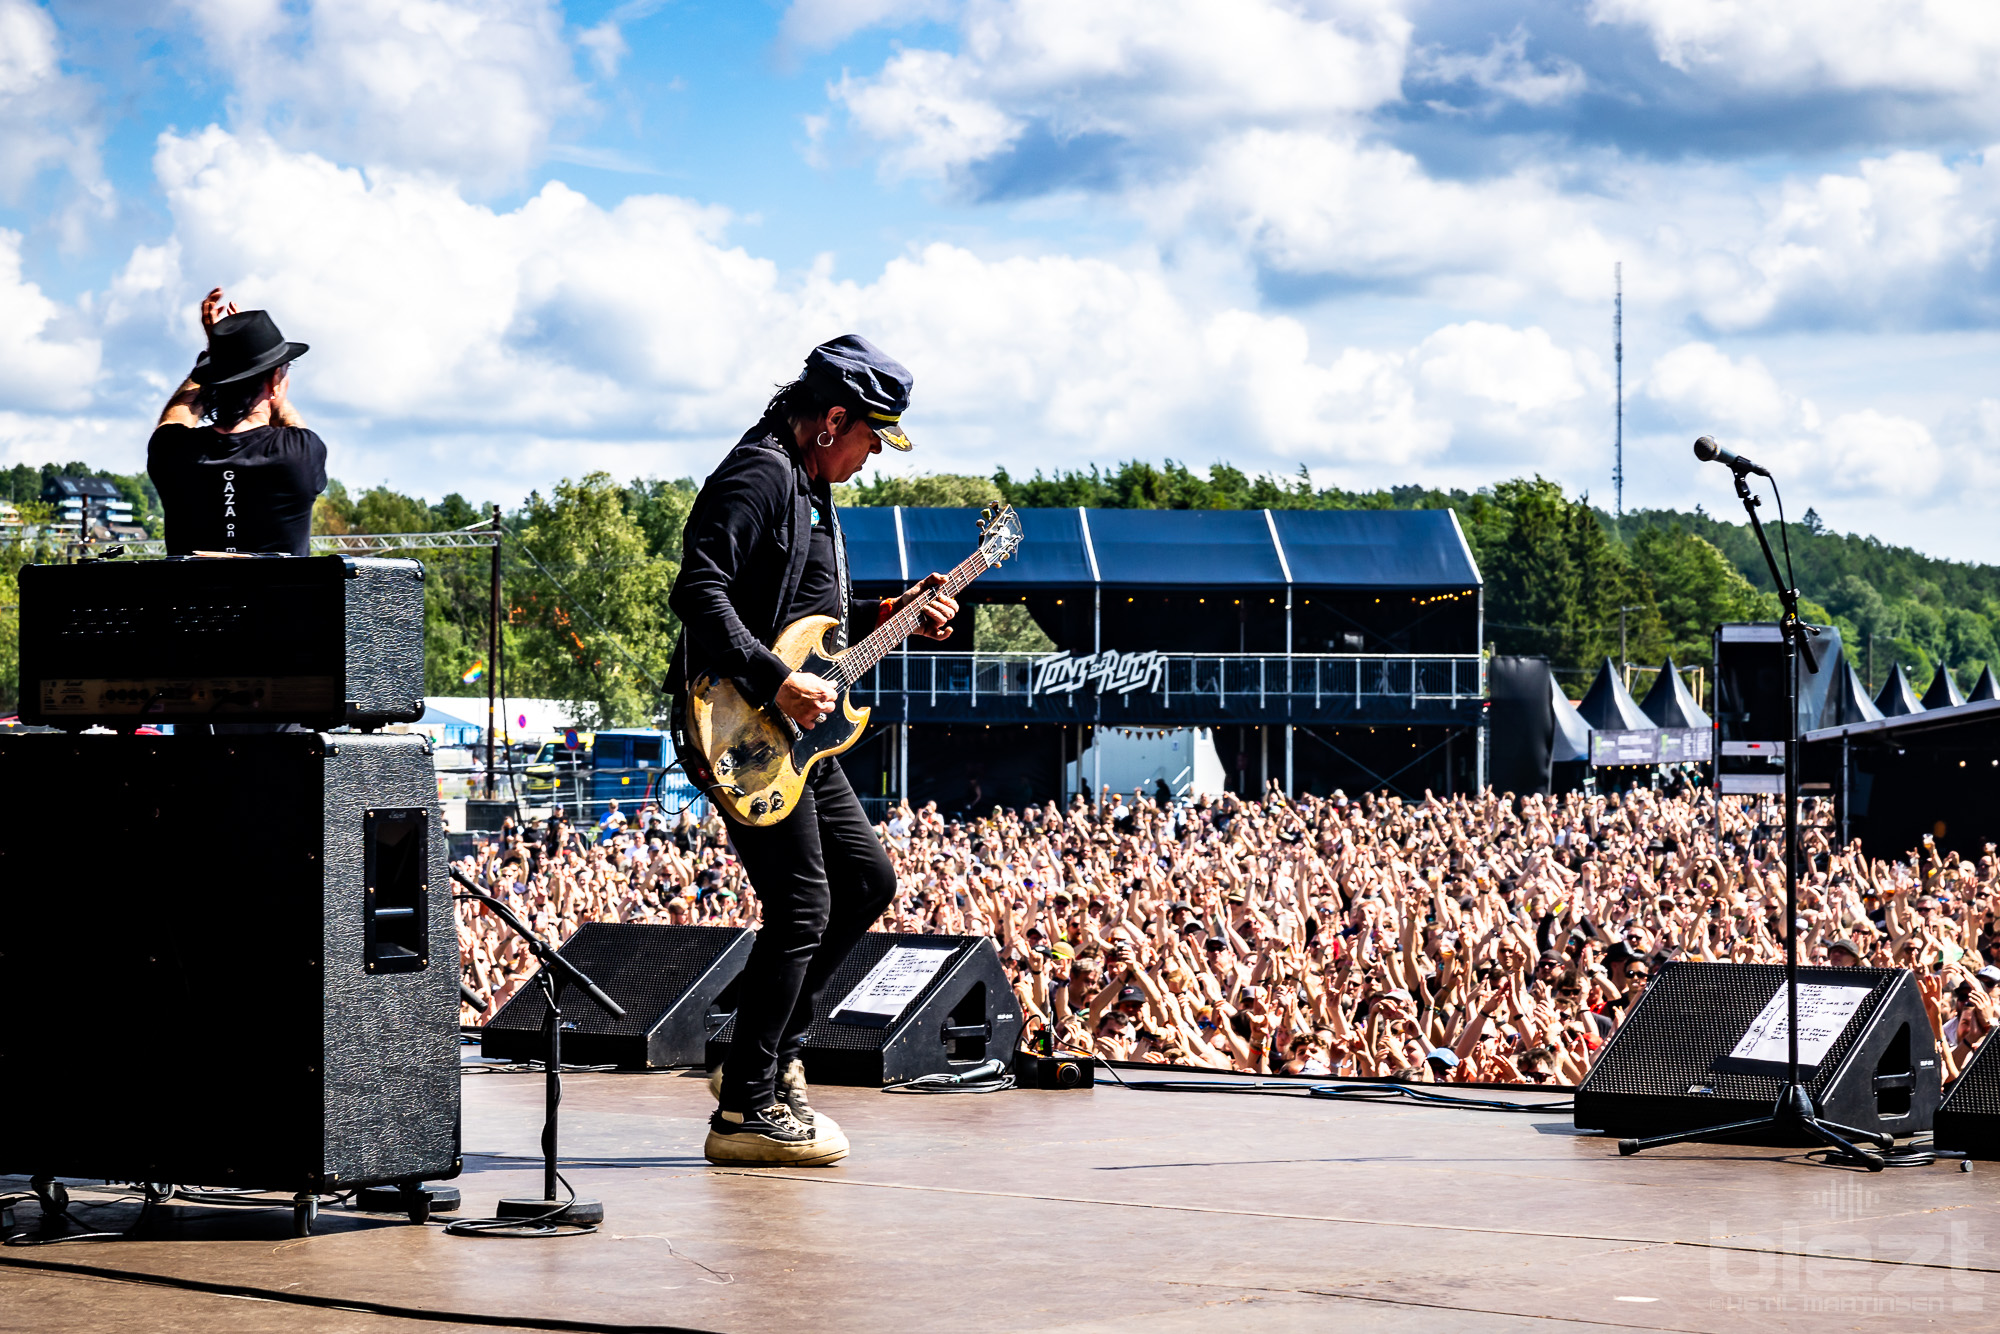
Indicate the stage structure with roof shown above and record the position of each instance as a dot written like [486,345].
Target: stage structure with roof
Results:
[1317,648]
[1899,767]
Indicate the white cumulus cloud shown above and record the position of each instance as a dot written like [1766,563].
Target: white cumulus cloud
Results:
[1913,46]
[449,336]
[1162,75]
[45,360]
[1860,452]
[468,89]
[1505,71]
[1905,239]
[816,24]
[47,116]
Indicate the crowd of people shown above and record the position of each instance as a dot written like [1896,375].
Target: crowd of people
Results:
[1453,939]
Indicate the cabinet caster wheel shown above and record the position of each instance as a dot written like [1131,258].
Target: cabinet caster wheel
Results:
[305,1212]
[53,1196]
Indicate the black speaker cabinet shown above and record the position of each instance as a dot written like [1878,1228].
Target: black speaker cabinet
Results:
[1969,1120]
[669,980]
[319,640]
[1866,1053]
[902,1006]
[226,961]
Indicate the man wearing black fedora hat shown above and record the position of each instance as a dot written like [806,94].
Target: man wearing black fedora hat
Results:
[236,468]
[761,549]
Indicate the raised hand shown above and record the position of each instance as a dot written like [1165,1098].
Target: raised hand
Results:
[215,306]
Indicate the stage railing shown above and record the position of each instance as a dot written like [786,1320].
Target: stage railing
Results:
[1219,681]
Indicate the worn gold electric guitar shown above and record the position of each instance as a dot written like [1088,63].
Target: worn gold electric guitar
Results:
[752,761]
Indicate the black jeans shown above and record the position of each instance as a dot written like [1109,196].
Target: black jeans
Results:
[823,879]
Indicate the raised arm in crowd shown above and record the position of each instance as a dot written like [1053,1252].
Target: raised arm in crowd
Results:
[1464,939]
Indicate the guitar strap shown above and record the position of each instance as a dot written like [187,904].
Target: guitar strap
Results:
[798,540]
[839,569]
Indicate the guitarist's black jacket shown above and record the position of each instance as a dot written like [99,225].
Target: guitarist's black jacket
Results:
[743,553]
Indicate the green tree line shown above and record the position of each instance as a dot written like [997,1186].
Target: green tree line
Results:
[587,567]
[585,573]
[1558,569]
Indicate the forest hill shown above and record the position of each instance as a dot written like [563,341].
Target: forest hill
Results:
[586,598]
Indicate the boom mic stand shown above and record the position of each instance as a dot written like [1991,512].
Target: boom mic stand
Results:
[1793,1115]
[557,972]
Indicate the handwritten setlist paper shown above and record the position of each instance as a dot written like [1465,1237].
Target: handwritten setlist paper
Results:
[890,986]
[1824,1010]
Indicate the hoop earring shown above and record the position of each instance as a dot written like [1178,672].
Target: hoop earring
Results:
[825,439]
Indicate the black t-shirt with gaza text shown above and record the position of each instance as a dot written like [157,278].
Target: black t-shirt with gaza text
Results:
[251,491]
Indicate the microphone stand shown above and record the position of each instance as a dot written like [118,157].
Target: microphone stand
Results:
[556,973]
[1793,1116]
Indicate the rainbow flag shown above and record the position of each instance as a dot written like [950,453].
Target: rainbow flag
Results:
[474,672]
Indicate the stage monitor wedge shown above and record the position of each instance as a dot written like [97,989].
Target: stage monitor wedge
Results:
[900,1006]
[1969,1120]
[668,979]
[1705,1046]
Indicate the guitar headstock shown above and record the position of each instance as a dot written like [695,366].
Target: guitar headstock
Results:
[999,532]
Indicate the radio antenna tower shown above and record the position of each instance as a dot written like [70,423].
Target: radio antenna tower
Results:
[1618,359]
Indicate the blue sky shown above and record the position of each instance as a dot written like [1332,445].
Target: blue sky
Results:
[1371,238]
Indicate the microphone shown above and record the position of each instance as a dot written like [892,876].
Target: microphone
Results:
[1708,451]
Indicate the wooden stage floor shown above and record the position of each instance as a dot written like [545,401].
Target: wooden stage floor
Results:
[1104,1210]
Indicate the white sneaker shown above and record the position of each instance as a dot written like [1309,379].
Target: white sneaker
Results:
[772,1138]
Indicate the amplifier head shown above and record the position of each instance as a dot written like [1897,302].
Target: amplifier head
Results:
[320,640]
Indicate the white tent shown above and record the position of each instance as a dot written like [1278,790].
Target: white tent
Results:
[1571,740]
[516,718]
[1123,758]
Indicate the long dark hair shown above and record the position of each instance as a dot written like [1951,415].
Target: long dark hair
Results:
[228,404]
[800,402]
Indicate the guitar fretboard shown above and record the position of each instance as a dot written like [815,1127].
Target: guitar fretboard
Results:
[858,661]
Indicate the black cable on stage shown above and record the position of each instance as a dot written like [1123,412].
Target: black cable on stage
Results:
[63,1205]
[295,1298]
[991,1077]
[1921,1151]
[1209,1072]
[549,1224]
[149,1194]
[1422,1095]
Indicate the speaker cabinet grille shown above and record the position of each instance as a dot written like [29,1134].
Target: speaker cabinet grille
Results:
[1669,1068]
[1969,1120]
[1690,1007]
[969,993]
[668,979]
[201,1007]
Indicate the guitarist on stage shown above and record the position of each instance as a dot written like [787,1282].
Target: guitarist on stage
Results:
[762,548]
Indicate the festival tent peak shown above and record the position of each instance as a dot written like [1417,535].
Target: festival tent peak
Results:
[1572,733]
[1670,704]
[1986,687]
[1944,692]
[1897,698]
[1847,699]
[1609,707]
